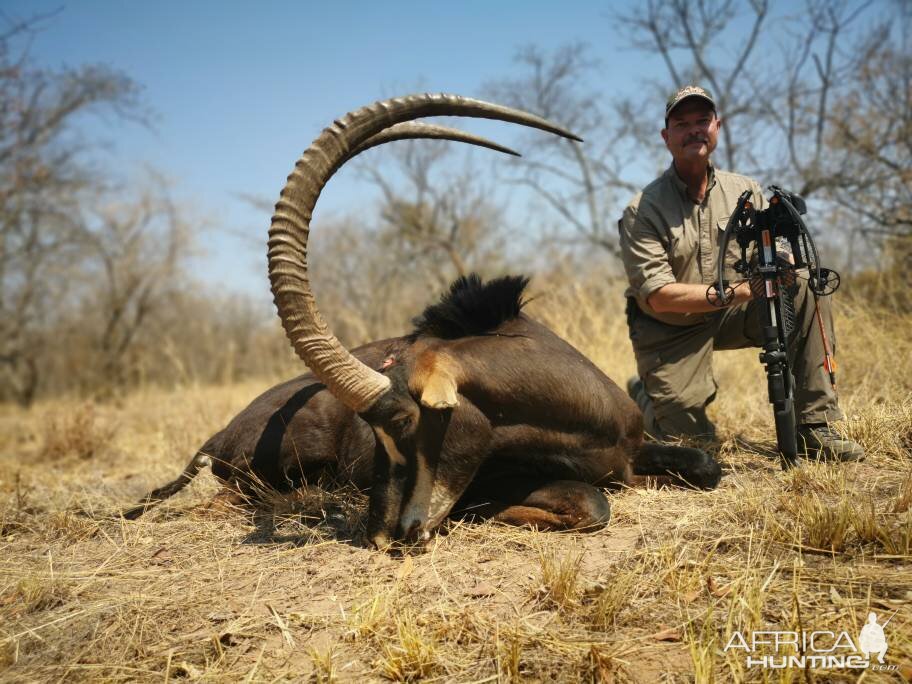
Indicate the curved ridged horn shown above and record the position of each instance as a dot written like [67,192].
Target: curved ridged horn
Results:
[410,130]
[353,383]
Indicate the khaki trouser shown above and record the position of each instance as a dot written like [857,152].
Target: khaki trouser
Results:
[675,364]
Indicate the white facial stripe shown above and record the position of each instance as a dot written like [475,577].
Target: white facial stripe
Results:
[390,445]
[430,500]
[442,500]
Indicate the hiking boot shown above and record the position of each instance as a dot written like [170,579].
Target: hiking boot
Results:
[636,390]
[821,442]
[635,387]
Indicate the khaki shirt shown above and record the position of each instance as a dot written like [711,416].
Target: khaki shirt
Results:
[667,238]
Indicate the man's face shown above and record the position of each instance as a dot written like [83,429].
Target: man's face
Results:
[692,131]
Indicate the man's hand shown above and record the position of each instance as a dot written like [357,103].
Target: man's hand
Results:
[691,298]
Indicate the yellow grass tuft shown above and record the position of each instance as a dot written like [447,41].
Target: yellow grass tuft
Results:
[78,433]
[324,667]
[559,585]
[38,593]
[611,596]
[412,654]
[509,655]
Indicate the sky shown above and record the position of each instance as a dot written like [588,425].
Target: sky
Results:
[238,90]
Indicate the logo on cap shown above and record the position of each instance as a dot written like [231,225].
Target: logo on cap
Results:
[684,93]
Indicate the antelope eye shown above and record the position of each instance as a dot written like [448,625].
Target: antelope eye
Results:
[403,420]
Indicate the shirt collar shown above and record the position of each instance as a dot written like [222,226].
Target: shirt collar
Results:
[681,186]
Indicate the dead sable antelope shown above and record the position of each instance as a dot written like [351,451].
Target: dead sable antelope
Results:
[478,406]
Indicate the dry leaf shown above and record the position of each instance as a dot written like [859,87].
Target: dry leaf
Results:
[692,596]
[220,617]
[483,589]
[183,668]
[405,569]
[667,634]
[161,557]
[717,591]
[835,597]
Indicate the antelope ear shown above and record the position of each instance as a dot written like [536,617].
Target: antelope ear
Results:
[439,390]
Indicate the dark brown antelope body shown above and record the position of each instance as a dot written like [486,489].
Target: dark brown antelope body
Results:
[478,408]
[294,433]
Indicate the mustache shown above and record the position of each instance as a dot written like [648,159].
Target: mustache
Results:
[697,138]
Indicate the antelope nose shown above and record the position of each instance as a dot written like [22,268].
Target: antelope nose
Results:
[413,533]
[417,532]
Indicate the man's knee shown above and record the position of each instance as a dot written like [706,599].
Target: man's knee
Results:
[662,419]
[677,402]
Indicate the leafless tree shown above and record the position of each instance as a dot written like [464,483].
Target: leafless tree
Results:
[350,268]
[765,96]
[699,43]
[433,212]
[818,65]
[580,184]
[434,220]
[135,263]
[869,139]
[826,113]
[42,176]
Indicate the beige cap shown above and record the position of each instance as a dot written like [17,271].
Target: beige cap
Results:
[683,93]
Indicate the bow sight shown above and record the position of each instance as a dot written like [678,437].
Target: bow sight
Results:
[773,272]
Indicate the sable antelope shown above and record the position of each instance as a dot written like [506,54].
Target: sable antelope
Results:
[478,405]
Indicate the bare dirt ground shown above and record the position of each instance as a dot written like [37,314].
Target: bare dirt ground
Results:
[286,592]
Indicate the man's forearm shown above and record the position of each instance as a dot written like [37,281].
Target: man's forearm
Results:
[691,298]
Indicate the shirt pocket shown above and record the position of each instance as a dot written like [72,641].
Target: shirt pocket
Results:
[681,251]
[732,254]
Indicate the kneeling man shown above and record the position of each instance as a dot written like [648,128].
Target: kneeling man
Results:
[669,236]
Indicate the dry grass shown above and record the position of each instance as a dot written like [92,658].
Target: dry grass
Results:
[74,433]
[186,593]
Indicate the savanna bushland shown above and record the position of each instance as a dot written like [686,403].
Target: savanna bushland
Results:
[117,365]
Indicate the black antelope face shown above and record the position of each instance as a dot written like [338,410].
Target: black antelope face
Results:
[395,421]
[403,504]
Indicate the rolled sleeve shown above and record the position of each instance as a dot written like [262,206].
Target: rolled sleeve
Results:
[644,255]
[759,199]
